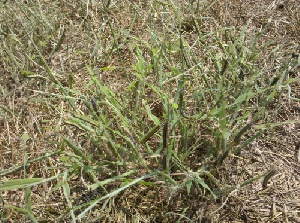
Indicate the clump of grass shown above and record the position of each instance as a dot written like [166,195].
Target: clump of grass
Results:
[188,101]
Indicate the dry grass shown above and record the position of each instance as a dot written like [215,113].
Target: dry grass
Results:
[34,111]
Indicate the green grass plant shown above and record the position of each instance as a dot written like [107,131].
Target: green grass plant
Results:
[175,108]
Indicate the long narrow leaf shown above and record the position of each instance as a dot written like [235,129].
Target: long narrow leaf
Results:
[112,194]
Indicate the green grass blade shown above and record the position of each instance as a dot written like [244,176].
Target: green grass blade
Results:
[20,183]
[111,194]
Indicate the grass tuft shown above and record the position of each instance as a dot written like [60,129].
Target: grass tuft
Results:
[111,101]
